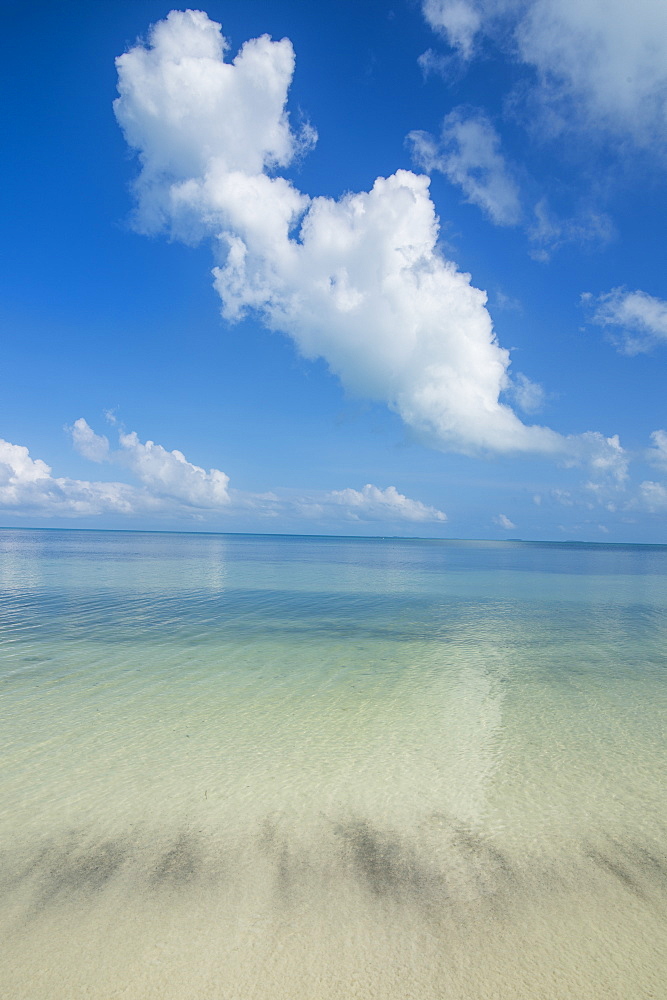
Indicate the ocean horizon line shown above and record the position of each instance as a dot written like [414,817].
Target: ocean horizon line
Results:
[566,542]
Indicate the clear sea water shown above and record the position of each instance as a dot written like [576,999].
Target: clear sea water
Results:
[285,768]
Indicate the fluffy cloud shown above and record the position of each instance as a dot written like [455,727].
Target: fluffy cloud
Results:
[366,289]
[504,522]
[189,111]
[169,474]
[28,487]
[166,474]
[372,503]
[171,487]
[17,467]
[658,454]
[468,153]
[607,459]
[652,496]
[169,484]
[640,318]
[598,63]
[359,281]
[89,444]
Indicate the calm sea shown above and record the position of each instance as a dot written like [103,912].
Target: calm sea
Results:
[285,768]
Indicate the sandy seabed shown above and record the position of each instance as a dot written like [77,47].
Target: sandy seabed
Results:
[249,769]
[341,909]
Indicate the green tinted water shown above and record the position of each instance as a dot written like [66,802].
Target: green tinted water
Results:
[256,767]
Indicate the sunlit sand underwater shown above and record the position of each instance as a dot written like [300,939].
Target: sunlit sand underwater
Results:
[279,768]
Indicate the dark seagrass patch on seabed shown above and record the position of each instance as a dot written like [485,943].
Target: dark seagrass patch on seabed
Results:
[59,872]
[454,866]
[180,865]
[638,868]
[384,863]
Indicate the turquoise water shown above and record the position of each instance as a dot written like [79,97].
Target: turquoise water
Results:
[279,768]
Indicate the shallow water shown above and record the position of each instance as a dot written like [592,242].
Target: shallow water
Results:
[282,768]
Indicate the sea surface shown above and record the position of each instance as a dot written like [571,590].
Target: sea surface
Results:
[240,767]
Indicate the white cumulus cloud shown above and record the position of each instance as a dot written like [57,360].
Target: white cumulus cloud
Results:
[169,486]
[658,454]
[373,503]
[652,496]
[359,281]
[169,474]
[166,474]
[188,111]
[89,444]
[27,486]
[640,318]
[607,459]
[504,522]
[468,153]
[17,467]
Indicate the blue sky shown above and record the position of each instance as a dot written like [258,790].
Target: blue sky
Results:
[481,356]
